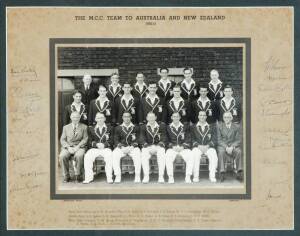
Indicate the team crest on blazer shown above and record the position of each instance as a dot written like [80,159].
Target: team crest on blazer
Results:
[192,88]
[169,84]
[231,107]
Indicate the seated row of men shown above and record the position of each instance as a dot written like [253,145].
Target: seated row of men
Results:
[141,142]
[163,98]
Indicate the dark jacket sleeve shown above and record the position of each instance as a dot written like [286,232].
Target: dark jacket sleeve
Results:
[187,137]
[164,114]
[220,139]
[109,141]
[117,142]
[163,137]
[91,113]
[142,139]
[213,140]
[238,137]
[66,115]
[194,140]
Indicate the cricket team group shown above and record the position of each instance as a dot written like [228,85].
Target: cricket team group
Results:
[189,120]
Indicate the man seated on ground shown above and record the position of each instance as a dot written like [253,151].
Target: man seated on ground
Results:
[204,141]
[179,144]
[100,142]
[73,141]
[153,140]
[229,145]
[126,143]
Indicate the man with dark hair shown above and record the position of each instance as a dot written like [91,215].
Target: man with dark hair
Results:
[204,104]
[153,140]
[204,141]
[229,104]
[126,103]
[78,106]
[229,144]
[99,144]
[114,89]
[140,88]
[73,143]
[179,105]
[152,103]
[126,143]
[188,86]
[164,85]
[103,105]
[179,144]
[88,90]
[215,86]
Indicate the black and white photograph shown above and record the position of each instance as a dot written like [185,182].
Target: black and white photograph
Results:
[150,118]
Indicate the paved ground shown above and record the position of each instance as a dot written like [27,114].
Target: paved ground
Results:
[127,182]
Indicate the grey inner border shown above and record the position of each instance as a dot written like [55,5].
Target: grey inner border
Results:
[247,97]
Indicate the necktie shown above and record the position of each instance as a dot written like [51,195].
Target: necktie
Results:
[74,130]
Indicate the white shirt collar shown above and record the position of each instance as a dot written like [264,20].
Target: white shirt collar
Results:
[101,127]
[177,101]
[215,83]
[228,126]
[203,101]
[165,82]
[152,98]
[130,97]
[202,126]
[74,126]
[102,100]
[124,125]
[155,125]
[143,85]
[176,127]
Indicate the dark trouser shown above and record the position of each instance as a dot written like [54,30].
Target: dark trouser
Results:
[236,155]
[77,158]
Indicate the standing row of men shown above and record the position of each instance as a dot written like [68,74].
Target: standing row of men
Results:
[163,98]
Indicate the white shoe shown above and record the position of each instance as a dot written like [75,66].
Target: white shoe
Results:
[188,179]
[146,179]
[196,179]
[213,180]
[137,179]
[87,181]
[109,180]
[161,179]
[118,179]
[171,180]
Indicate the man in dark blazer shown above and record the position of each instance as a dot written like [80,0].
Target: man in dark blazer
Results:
[114,88]
[179,105]
[88,90]
[179,143]
[189,86]
[152,103]
[153,139]
[140,89]
[203,103]
[215,87]
[78,106]
[229,144]
[204,141]
[164,85]
[126,103]
[103,105]
[99,144]
[126,143]
[73,142]
[229,104]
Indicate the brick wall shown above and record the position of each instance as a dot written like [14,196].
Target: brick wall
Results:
[129,61]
